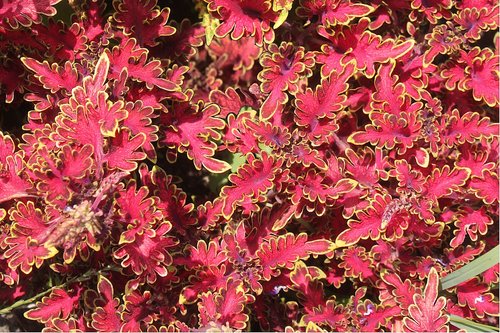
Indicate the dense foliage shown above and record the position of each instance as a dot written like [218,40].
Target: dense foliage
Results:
[282,165]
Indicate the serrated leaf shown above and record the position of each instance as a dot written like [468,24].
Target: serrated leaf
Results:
[124,151]
[226,305]
[24,12]
[286,249]
[59,304]
[426,313]
[143,20]
[191,130]
[252,180]
[486,187]
[106,316]
[53,77]
[443,182]
[134,58]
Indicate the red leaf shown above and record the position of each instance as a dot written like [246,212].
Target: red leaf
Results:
[403,291]
[283,67]
[371,316]
[333,12]
[252,181]
[76,162]
[357,263]
[148,254]
[476,297]
[134,58]
[390,130]
[138,309]
[470,222]
[97,82]
[59,304]
[391,96]
[230,102]
[54,173]
[285,250]
[106,316]
[272,136]
[143,20]
[408,177]
[53,77]
[442,40]
[26,240]
[476,20]
[76,126]
[358,43]
[331,314]
[203,281]
[226,306]
[233,305]
[443,182]
[66,325]
[25,12]
[139,120]
[123,151]
[109,114]
[486,187]
[366,166]
[484,78]
[244,18]
[323,104]
[369,224]
[201,255]
[305,280]
[192,130]
[426,313]
[466,128]
[12,184]
[137,211]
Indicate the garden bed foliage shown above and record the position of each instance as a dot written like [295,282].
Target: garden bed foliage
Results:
[277,165]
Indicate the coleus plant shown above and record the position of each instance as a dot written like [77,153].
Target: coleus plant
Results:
[307,165]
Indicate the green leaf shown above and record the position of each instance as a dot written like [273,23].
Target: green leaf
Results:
[210,24]
[472,269]
[281,19]
[217,180]
[282,6]
[470,326]
[237,160]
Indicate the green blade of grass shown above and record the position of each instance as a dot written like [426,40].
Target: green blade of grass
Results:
[471,326]
[472,269]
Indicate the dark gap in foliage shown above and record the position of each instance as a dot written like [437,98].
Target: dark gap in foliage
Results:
[183,168]
[180,9]
[13,115]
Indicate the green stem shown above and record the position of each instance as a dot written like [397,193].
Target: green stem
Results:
[87,275]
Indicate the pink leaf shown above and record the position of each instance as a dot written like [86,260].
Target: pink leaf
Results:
[25,12]
[192,130]
[284,250]
[252,181]
[58,305]
[123,152]
[143,20]
[486,187]
[426,313]
[106,316]
[476,297]
[53,77]
[443,182]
